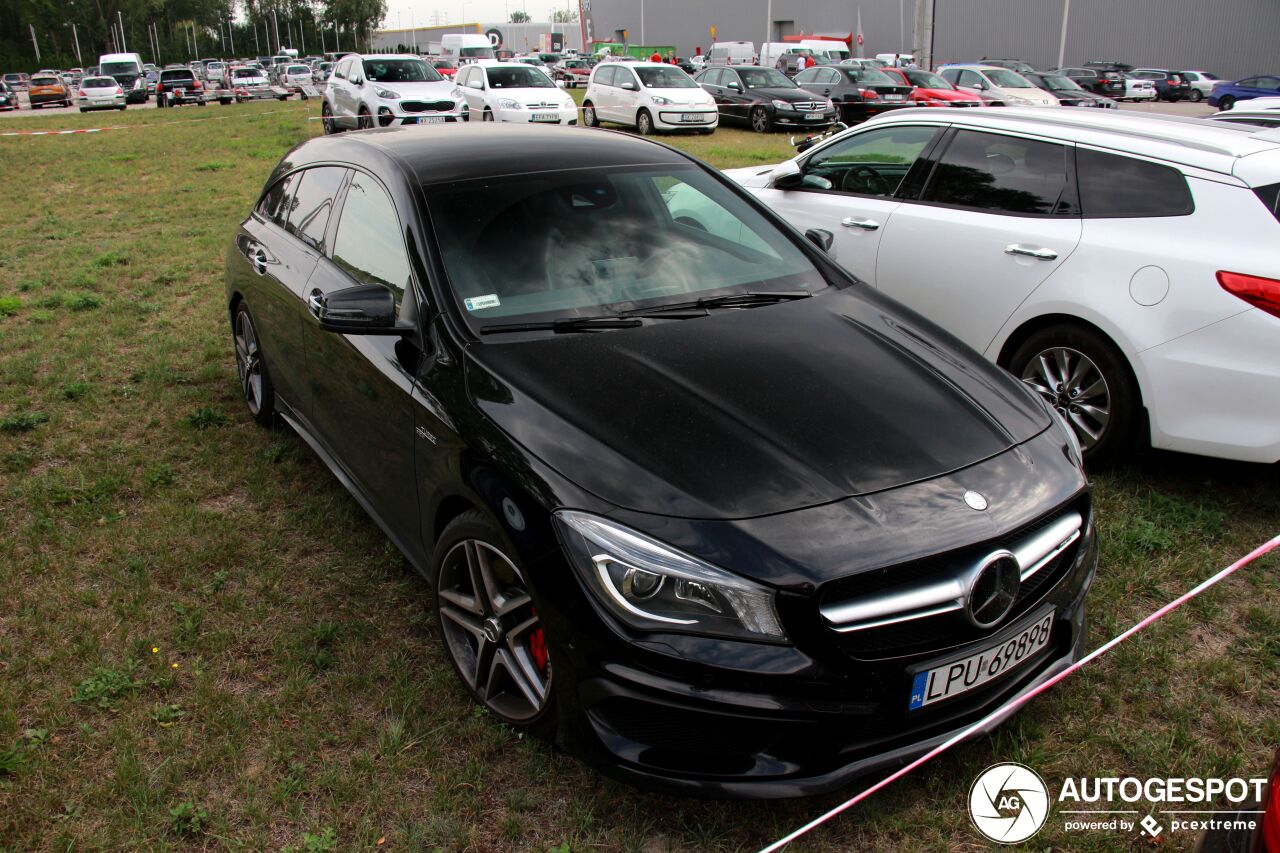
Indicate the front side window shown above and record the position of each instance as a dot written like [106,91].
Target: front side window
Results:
[312,202]
[369,245]
[1001,174]
[1112,185]
[972,79]
[873,163]
[604,76]
[587,243]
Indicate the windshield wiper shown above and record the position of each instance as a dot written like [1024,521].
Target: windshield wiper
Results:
[569,324]
[747,299]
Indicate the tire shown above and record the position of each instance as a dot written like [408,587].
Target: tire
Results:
[487,115]
[760,121]
[644,123]
[1226,103]
[364,121]
[488,624]
[83,110]
[589,114]
[327,120]
[1104,405]
[122,109]
[1196,96]
[255,385]
[224,102]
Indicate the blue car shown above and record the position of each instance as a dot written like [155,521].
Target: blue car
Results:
[1226,94]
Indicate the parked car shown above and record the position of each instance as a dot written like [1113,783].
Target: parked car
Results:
[1138,89]
[932,90]
[215,72]
[732,53]
[1263,103]
[763,98]
[508,91]
[1005,88]
[1201,84]
[46,90]
[1101,78]
[387,89]
[1170,85]
[1016,65]
[1067,91]
[695,503]
[294,77]
[18,81]
[1254,829]
[858,93]
[1227,93]
[250,83]
[152,76]
[573,72]
[1124,266]
[649,97]
[100,93]
[447,68]
[178,86]
[1248,116]
[9,97]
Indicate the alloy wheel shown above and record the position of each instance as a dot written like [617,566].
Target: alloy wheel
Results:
[248,362]
[589,116]
[365,120]
[492,631]
[1070,382]
[326,119]
[759,120]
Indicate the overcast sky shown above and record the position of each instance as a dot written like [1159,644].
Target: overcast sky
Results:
[424,12]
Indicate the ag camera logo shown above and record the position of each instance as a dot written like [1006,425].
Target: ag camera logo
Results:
[1008,803]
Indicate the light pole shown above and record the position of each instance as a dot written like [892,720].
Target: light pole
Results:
[120,17]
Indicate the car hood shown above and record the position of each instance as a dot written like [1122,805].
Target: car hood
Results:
[752,412]
[436,89]
[1039,96]
[792,95]
[946,94]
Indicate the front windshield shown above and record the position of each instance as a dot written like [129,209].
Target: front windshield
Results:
[591,243]
[664,77]
[1006,79]
[928,80]
[114,68]
[1057,81]
[400,71]
[519,77]
[476,53]
[765,78]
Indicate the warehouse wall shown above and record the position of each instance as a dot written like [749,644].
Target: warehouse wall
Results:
[1233,38]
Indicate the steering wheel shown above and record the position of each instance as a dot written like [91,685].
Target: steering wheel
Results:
[871,182]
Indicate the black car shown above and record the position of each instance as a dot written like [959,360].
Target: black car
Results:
[1068,92]
[178,86]
[691,499]
[764,98]
[8,97]
[1170,85]
[859,93]
[1101,78]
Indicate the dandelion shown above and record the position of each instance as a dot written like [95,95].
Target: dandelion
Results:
[175,666]
[155,649]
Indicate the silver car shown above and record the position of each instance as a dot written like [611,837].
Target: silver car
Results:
[100,93]
[381,90]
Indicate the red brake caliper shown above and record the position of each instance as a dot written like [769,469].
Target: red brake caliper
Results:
[538,648]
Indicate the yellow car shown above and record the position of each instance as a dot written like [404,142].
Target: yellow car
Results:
[48,90]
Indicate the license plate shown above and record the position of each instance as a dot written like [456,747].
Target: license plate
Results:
[431,120]
[893,97]
[813,116]
[546,117]
[952,679]
[97,102]
[692,117]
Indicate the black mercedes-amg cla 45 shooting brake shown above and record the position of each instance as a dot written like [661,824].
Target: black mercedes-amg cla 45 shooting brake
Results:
[691,500]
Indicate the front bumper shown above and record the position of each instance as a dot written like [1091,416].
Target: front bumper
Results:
[672,117]
[389,115]
[563,115]
[795,118]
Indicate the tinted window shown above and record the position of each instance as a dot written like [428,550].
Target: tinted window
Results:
[340,70]
[518,77]
[368,244]
[1270,196]
[1112,185]
[275,204]
[665,77]
[872,163]
[1003,174]
[312,203]
[971,79]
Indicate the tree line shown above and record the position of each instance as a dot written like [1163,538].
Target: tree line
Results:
[70,33]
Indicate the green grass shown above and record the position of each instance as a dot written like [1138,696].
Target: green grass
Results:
[222,650]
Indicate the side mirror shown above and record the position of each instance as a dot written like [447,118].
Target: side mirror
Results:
[821,238]
[630,87]
[785,176]
[366,309]
[735,86]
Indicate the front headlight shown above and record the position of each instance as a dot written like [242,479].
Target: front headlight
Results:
[1016,101]
[387,94]
[661,101]
[508,104]
[653,587]
[782,105]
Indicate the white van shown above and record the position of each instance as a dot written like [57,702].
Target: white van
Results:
[831,50]
[466,47]
[771,50]
[897,60]
[126,68]
[732,53]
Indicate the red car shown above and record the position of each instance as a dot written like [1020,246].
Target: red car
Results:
[446,67]
[574,72]
[931,90]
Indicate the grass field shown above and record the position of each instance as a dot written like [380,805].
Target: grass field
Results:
[205,643]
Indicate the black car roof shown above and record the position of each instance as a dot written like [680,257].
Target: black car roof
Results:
[452,152]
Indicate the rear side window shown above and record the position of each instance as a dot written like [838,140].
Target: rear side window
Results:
[1270,196]
[275,204]
[1112,186]
[312,203]
[1002,174]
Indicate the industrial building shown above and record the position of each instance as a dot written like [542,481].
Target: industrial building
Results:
[520,38]
[1232,39]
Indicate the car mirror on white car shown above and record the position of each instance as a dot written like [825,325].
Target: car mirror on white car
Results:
[785,175]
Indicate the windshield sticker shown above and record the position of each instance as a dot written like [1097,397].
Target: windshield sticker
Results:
[479,303]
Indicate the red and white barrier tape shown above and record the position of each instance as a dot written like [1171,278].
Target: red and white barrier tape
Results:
[141,124]
[1026,697]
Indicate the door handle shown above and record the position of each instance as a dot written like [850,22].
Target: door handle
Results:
[860,222]
[315,303]
[1038,252]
